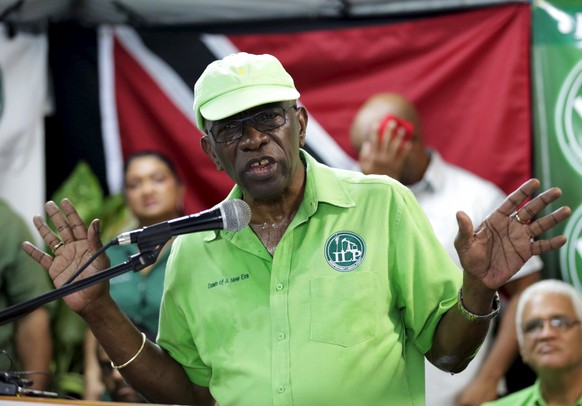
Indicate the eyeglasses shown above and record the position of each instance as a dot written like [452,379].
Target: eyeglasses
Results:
[559,323]
[263,121]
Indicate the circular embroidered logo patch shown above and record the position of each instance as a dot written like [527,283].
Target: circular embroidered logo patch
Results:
[344,251]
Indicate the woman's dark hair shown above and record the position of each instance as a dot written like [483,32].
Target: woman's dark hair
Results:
[153,154]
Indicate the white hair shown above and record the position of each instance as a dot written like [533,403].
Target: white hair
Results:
[543,287]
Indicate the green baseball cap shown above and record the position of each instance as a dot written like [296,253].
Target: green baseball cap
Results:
[239,82]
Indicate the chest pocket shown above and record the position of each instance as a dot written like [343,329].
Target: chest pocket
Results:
[343,308]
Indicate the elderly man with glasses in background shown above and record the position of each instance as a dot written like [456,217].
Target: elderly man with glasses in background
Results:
[549,331]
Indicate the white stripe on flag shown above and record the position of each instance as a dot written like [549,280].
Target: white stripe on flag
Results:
[108,107]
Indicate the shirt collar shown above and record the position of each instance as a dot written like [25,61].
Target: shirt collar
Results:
[538,399]
[321,186]
[434,176]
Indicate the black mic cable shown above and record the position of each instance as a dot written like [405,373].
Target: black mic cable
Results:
[90,261]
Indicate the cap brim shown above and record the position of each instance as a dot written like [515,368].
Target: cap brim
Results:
[232,103]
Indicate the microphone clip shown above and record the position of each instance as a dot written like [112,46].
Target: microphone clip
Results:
[154,237]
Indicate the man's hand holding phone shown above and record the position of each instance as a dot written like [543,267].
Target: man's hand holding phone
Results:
[395,127]
[387,146]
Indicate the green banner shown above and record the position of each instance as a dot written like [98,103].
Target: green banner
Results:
[557,104]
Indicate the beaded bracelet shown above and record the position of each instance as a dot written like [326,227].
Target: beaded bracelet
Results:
[132,358]
[478,317]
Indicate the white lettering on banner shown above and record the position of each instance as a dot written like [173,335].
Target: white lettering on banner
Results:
[567,24]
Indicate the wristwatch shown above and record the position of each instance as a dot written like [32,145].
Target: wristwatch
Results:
[478,318]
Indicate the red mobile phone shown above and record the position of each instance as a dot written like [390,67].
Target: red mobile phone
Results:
[400,122]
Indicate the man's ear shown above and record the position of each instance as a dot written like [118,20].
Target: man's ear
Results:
[302,118]
[209,151]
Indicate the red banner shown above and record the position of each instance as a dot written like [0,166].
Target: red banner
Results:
[468,73]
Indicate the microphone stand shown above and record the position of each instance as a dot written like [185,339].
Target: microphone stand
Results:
[150,242]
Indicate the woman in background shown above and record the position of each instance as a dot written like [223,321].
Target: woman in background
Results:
[154,193]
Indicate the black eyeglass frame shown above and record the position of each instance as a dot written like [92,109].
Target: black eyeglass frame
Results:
[536,326]
[250,118]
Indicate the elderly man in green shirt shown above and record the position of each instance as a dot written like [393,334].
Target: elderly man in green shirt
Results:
[335,309]
[549,331]
[333,294]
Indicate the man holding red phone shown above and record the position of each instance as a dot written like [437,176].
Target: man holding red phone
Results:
[387,133]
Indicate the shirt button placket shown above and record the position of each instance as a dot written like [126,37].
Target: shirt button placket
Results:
[280,323]
[281,352]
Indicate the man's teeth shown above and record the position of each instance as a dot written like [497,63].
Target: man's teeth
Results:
[261,162]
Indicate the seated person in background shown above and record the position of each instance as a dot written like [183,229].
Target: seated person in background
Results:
[27,342]
[549,330]
[154,193]
[442,190]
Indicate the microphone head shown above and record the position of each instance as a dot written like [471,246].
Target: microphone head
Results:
[236,214]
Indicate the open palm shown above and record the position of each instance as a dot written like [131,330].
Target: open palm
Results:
[505,240]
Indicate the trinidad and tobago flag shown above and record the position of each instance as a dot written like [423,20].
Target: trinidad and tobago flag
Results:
[132,89]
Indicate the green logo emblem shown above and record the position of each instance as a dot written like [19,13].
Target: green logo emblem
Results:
[571,253]
[344,251]
[568,118]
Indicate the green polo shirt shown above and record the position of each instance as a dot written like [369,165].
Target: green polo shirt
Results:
[530,396]
[340,315]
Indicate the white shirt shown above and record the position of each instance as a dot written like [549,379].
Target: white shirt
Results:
[444,190]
